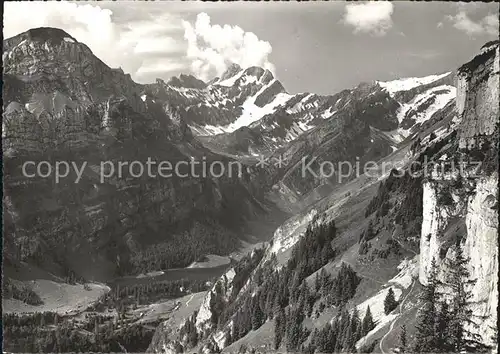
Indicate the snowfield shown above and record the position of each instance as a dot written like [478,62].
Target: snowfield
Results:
[408,83]
[230,81]
[252,113]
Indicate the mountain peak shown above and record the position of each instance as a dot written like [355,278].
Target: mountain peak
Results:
[239,76]
[44,34]
[232,70]
[41,35]
[187,81]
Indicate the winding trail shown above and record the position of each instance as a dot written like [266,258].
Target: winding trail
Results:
[396,319]
[121,346]
[391,327]
[401,245]
[191,298]
[360,274]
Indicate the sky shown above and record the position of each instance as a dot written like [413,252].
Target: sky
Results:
[320,47]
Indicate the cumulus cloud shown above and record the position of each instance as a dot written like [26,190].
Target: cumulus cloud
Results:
[372,17]
[136,46]
[212,48]
[488,25]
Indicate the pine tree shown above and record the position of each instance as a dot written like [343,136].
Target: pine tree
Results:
[96,330]
[294,329]
[350,340]
[460,313]
[229,339]
[425,338]
[390,302]
[257,316]
[402,339]
[368,323]
[279,326]
[442,328]
[369,234]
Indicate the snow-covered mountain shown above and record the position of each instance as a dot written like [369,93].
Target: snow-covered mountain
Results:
[253,99]
[413,104]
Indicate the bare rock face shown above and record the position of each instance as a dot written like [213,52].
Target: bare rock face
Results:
[269,94]
[478,214]
[44,59]
[220,292]
[478,96]
[482,248]
[469,210]
[437,217]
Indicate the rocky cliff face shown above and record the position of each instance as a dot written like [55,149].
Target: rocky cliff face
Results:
[474,217]
[481,246]
[477,98]
[469,208]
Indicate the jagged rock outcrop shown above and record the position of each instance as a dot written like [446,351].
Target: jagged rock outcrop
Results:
[187,81]
[221,291]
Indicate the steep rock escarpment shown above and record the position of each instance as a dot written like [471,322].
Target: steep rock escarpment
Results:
[467,206]
[477,96]
[481,246]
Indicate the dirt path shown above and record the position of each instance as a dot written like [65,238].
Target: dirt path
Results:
[360,274]
[402,246]
[121,347]
[391,327]
[191,298]
[396,319]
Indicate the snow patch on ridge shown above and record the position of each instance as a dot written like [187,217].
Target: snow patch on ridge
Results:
[408,83]
[442,100]
[251,112]
[328,113]
[443,95]
[230,81]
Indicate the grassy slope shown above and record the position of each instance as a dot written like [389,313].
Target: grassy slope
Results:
[57,296]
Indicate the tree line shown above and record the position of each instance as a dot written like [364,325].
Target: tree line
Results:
[446,321]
